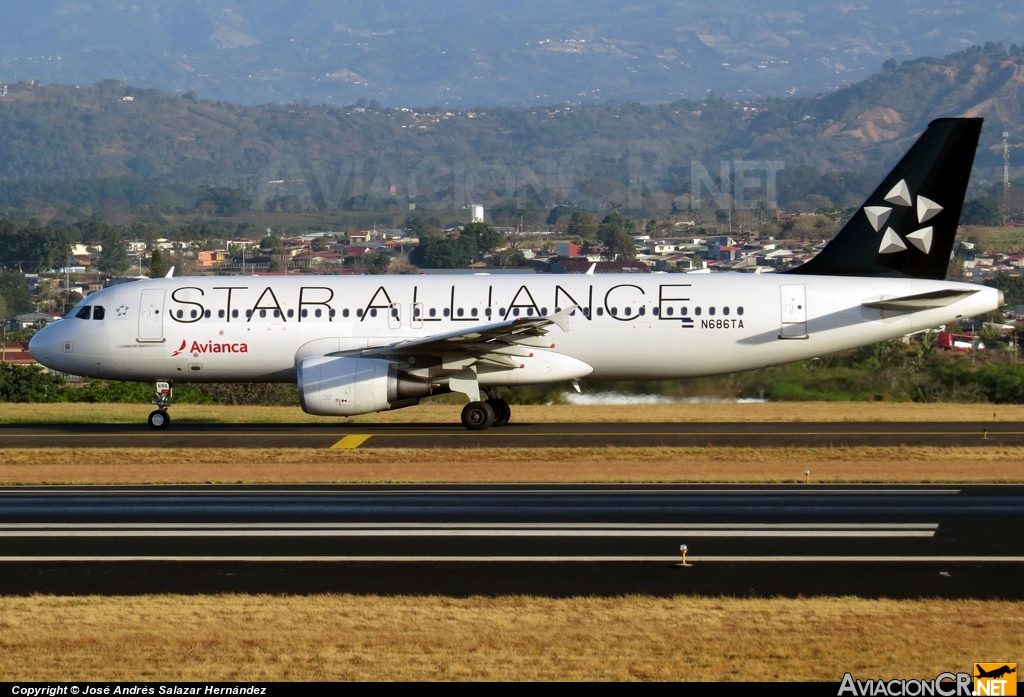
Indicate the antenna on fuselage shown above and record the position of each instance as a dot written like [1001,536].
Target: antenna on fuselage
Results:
[170,273]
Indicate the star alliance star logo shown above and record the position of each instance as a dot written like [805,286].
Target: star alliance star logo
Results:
[892,243]
[122,310]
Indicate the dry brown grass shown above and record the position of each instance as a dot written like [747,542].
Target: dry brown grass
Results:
[430,413]
[298,465]
[344,637]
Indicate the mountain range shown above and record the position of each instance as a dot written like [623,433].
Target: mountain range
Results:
[462,53]
[590,154]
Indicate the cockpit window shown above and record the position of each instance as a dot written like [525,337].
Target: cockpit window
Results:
[97,312]
[85,312]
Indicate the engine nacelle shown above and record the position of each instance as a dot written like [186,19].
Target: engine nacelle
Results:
[338,386]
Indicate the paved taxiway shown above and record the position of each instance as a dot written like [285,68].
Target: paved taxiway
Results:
[894,541]
[517,435]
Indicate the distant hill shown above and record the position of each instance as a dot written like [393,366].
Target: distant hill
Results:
[592,155]
[463,53]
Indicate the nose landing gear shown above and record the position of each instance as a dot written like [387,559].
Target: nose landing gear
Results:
[160,419]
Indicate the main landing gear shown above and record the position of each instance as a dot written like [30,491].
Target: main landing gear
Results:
[160,419]
[478,416]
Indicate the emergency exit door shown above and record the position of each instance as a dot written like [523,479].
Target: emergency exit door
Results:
[794,312]
[151,315]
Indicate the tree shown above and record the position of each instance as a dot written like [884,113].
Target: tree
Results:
[157,266]
[485,237]
[982,211]
[270,243]
[113,259]
[14,289]
[223,200]
[444,253]
[583,225]
[5,314]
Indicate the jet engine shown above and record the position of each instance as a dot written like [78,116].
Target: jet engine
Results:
[339,386]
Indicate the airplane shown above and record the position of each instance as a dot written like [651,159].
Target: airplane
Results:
[361,344]
[995,673]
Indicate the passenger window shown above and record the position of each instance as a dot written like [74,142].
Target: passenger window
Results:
[501,311]
[98,312]
[474,312]
[192,314]
[487,312]
[615,312]
[529,311]
[248,314]
[433,312]
[515,311]
[544,311]
[643,310]
[459,312]
[669,311]
[725,311]
[180,314]
[277,314]
[359,312]
[446,312]
[263,313]
[586,312]
[318,312]
[331,313]
[344,313]
[207,314]
[305,312]
[711,310]
[373,312]
[394,312]
[696,311]
[683,311]
[220,314]
[234,313]
[291,313]
[739,310]
[416,312]
[600,312]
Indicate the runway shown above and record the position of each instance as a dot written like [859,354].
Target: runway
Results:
[873,541]
[514,435]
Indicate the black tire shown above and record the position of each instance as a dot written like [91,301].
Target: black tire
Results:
[502,411]
[477,416]
[159,419]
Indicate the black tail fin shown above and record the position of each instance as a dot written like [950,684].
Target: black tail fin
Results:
[906,227]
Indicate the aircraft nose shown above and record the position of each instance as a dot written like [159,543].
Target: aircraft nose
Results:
[42,344]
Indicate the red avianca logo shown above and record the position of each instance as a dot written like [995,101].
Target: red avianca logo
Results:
[211,347]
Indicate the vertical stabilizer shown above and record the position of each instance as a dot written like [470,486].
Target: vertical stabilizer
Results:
[907,226]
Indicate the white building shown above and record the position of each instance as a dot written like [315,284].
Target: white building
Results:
[476,213]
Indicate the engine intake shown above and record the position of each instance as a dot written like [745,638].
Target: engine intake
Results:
[339,386]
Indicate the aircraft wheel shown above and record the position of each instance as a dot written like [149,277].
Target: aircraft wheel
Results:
[502,411]
[477,416]
[160,419]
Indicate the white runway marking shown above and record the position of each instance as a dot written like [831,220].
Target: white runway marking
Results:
[311,530]
[517,559]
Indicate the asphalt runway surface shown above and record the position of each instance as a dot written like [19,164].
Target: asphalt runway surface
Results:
[514,435]
[761,540]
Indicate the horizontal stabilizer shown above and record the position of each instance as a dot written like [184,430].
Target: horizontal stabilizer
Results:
[921,301]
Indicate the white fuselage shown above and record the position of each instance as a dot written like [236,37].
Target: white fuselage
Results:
[631,327]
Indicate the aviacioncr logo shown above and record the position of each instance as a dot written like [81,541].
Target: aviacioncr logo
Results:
[180,348]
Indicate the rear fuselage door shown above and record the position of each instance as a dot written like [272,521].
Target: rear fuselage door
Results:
[151,315]
[794,312]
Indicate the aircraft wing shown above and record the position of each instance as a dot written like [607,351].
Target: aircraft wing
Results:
[493,342]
